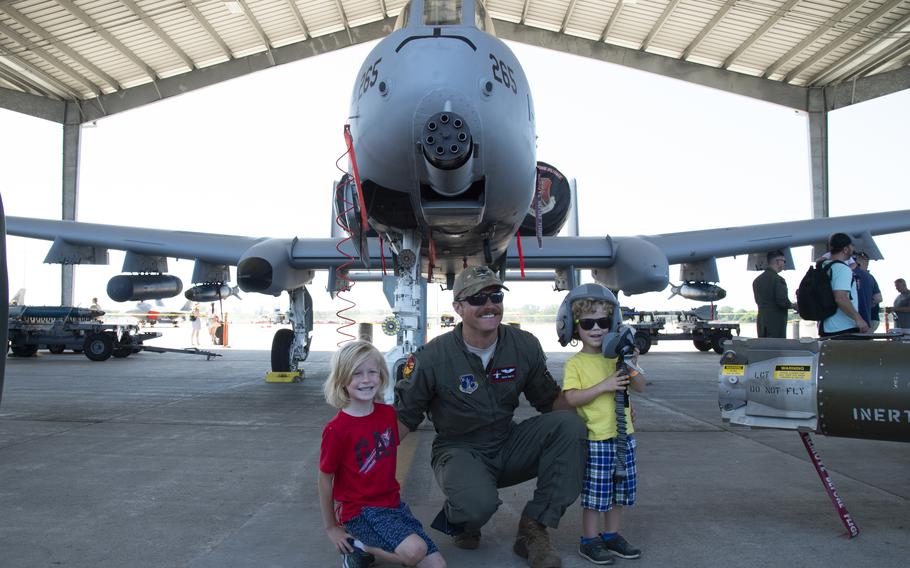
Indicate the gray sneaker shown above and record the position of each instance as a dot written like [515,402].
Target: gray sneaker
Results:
[360,558]
[620,547]
[595,552]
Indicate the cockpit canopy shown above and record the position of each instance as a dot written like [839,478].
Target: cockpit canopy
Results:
[445,13]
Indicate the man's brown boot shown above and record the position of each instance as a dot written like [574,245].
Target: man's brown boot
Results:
[469,539]
[533,543]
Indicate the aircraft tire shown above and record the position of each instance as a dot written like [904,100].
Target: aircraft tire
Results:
[717,342]
[98,346]
[24,350]
[702,344]
[643,342]
[124,348]
[56,348]
[281,350]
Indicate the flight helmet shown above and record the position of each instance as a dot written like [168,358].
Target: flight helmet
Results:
[565,321]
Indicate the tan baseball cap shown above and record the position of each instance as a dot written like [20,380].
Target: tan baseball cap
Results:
[473,279]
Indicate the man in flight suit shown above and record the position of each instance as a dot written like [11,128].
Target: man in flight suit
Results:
[770,291]
[469,381]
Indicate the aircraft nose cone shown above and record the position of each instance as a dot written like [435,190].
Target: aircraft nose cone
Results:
[446,140]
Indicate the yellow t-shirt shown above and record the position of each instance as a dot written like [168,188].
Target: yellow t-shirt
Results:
[585,370]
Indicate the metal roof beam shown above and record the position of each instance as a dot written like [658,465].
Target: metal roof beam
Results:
[708,28]
[769,23]
[867,88]
[47,57]
[156,29]
[887,56]
[200,19]
[819,32]
[565,20]
[15,76]
[45,35]
[39,106]
[13,80]
[172,86]
[524,12]
[108,37]
[729,81]
[299,17]
[617,10]
[844,38]
[668,11]
[251,18]
[344,18]
[840,68]
[37,74]
[385,11]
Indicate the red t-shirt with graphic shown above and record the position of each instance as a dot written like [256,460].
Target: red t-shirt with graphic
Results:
[361,452]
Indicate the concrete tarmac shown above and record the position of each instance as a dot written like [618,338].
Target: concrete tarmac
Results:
[167,460]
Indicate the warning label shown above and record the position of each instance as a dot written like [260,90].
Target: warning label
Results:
[737,370]
[793,372]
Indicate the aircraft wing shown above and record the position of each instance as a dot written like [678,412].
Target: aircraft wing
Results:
[264,265]
[693,246]
[640,264]
[213,248]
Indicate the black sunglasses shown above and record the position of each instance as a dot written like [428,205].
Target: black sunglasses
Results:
[587,324]
[480,298]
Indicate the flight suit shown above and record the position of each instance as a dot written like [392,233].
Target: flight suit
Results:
[770,291]
[478,447]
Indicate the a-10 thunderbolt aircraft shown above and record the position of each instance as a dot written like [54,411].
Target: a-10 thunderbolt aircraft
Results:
[443,173]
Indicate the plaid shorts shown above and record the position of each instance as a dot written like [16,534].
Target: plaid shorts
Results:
[386,528]
[600,491]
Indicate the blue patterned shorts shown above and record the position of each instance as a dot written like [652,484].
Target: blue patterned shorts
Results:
[386,528]
[600,491]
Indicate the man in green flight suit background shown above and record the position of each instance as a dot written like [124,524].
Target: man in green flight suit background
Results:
[770,291]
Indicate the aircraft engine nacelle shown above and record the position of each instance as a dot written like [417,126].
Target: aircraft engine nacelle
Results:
[137,287]
[640,267]
[265,268]
[851,389]
[208,293]
[555,203]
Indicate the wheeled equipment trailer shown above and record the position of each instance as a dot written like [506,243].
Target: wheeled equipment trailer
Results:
[705,335]
[58,328]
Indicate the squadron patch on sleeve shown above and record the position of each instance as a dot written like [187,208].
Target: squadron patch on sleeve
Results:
[409,366]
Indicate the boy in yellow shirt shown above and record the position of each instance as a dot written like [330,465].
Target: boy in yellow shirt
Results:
[591,382]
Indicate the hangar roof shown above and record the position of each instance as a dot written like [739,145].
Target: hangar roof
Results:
[108,56]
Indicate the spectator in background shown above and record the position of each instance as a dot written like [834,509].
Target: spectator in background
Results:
[95,305]
[868,292]
[846,320]
[196,321]
[214,326]
[770,291]
[902,305]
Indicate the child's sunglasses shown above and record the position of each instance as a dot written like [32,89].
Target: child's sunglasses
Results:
[480,298]
[587,324]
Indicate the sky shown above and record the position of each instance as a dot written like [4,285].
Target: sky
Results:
[256,156]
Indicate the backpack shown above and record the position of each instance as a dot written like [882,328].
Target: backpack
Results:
[815,296]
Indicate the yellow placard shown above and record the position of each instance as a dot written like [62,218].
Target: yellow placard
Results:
[792,372]
[737,370]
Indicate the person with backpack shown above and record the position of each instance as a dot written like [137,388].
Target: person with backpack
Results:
[847,318]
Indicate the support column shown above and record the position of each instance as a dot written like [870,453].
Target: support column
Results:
[72,135]
[818,152]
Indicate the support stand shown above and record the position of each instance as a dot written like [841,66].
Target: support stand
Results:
[852,529]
